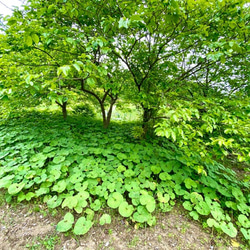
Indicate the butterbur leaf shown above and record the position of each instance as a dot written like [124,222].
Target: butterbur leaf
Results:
[237,193]
[38,157]
[125,209]
[231,204]
[196,198]
[218,214]
[105,219]
[114,200]
[90,214]
[165,176]
[60,186]
[212,223]
[29,196]
[229,229]
[148,201]
[246,233]
[151,221]
[202,208]
[65,224]
[81,186]
[194,215]
[58,159]
[179,190]
[156,169]
[209,192]
[121,156]
[70,202]
[6,181]
[96,205]
[141,215]
[83,195]
[54,202]
[121,168]
[15,188]
[188,206]
[244,221]
[82,226]
[189,183]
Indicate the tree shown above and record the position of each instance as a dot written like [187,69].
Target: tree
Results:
[171,49]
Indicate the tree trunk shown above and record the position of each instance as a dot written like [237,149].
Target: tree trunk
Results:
[64,110]
[147,115]
[106,118]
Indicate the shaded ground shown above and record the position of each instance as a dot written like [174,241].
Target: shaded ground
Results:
[32,227]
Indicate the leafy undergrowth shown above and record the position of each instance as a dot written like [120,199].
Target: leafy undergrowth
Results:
[82,168]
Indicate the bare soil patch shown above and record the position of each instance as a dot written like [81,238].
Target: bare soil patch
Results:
[33,227]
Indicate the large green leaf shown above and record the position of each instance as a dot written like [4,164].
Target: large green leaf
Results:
[65,224]
[82,226]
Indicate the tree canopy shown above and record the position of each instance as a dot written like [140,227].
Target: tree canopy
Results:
[184,63]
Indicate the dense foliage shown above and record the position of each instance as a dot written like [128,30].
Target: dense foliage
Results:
[64,165]
[184,64]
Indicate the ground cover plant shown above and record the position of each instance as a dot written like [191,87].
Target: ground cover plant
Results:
[83,168]
[174,74]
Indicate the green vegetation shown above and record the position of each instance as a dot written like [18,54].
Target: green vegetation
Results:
[63,164]
[174,74]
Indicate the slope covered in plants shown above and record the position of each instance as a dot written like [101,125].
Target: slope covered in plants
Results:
[80,167]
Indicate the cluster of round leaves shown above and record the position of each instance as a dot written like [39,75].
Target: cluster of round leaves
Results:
[84,169]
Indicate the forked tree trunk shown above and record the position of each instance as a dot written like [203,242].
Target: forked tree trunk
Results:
[64,109]
[106,117]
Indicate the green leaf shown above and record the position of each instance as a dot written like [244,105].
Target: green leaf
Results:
[114,200]
[124,23]
[64,69]
[141,215]
[105,219]
[165,176]
[82,226]
[212,223]
[77,67]
[244,221]
[125,209]
[15,188]
[148,201]
[187,205]
[246,233]
[91,82]
[155,169]
[70,202]
[229,229]
[6,181]
[60,186]
[28,40]
[202,208]
[189,183]
[35,38]
[54,202]
[65,224]
[58,159]
[194,215]
[96,205]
